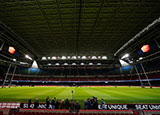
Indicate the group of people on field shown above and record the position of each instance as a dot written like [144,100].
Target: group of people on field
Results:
[89,104]
[57,104]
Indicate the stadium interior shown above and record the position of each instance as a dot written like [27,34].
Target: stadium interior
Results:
[85,46]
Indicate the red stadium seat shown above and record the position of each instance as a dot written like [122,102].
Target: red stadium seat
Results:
[1,113]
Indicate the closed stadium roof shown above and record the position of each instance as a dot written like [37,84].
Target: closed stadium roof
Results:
[74,27]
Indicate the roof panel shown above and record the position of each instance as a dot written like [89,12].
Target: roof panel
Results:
[74,27]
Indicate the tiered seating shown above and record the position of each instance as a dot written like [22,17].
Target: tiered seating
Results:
[45,113]
[1,113]
[151,112]
[68,79]
[89,78]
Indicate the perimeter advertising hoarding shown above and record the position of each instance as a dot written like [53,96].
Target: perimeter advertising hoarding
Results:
[108,106]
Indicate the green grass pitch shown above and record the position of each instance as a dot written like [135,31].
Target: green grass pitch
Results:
[109,94]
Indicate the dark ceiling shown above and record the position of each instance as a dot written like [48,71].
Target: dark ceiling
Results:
[76,27]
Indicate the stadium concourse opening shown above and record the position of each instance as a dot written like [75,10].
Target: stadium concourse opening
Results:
[87,57]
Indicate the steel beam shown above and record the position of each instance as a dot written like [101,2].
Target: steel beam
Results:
[146,75]
[3,85]
[139,77]
[12,76]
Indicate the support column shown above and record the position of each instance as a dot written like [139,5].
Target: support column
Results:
[12,76]
[139,76]
[3,85]
[146,75]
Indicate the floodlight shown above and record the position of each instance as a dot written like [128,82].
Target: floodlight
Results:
[82,64]
[104,57]
[57,64]
[49,64]
[125,56]
[74,57]
[23,63]
[93,57]
[63,57]
[65,64]
[123,63]
[28,57]
[34,65]
[53,58]
[83,57]
[43,58]
[140,58]
[14,59]
[99,63]
[74,64]
[130,61]
[90,64]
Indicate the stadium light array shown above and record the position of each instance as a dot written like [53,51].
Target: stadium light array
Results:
[140,58]
[90,64]
[83,57]
[130,61]
[123,63]
[82,64]
[53,58]
[65,64]
[99,63]
[43,58]
[93,57]
[104,57]
[23,63]
[64,57]
[125,56]
[74,57]
[34,65]
[57,64]
[74,64]
[14,59]
[49,64]
[28,57]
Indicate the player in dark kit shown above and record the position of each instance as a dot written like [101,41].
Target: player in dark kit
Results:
[36,104]
[47,102]
[29,103]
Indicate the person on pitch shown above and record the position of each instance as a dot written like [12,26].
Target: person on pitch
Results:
[29,103]
[36,104]
[53,103]
[47,102]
